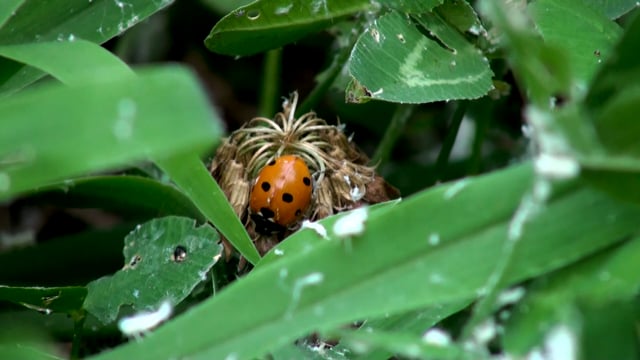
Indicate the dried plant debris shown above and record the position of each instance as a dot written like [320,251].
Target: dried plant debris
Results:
[342,178]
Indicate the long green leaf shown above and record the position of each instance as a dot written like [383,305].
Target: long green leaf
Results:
[37,21]
[8,8]
[72,62]
[57,132]
[45,300]
[189,173]
[609,277]
[264,25]
[333,283]
[592,34]
[127,195]
[96,252]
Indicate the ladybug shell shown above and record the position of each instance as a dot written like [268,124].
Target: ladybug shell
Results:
[282,191]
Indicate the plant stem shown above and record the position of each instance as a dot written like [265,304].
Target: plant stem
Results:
[78,327]
[329,77]
[270,83]
[475,162]
[450,139]
[391,135]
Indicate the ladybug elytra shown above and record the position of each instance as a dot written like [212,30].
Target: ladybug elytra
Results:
[281,194]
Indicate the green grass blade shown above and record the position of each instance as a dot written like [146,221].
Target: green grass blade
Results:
[7,8]
[57,132]
[191,176]
[134,196]
[72,62]
[45,300]
[331,284]
[37,21]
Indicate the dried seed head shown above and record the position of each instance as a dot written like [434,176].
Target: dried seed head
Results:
[339,167]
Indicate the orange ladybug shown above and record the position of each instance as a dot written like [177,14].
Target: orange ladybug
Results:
[281,194]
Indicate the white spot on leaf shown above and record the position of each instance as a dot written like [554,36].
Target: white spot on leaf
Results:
[437,337]
[510,296]
[455,188]
[139,323]
[351,224]
[281,10]
[434,239]
[318,228]
[123,127]
[311,279]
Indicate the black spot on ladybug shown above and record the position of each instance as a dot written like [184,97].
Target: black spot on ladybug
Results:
[266,212]
[265,186]
[306,181]
[179,254]
[298,212]
[272,162]
[286,197]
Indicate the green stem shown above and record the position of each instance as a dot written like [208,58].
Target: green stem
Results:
[475,162]
[329,77]
[269,93]
[78,327]
[450,139]
[391,135]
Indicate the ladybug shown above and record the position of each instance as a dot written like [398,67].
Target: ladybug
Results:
[281,194]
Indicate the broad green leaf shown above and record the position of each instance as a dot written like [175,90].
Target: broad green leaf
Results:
[411,323]
[307,352]
[45,300]
[264,25]
[609,331]
[621,69]
[96,21]
[28,352]
[395,61]
[623,185]
[617,125]
[405,345]
[188,172]
[541,68]
[461,15]
[613,9]
[306,238]
[7,9]
[100,126]
[20,341]
[608,277]
[333,283]
[73,259]
[164,259]
[223,7]
[592,34]
[126,195]
[412,6]
[72,62]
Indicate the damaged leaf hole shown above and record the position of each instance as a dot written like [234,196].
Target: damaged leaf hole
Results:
[434,37]
[135,260]
[253,14]
[179,254]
